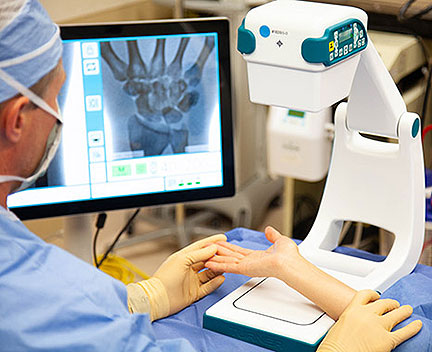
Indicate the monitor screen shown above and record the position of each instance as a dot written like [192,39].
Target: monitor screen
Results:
[147,119]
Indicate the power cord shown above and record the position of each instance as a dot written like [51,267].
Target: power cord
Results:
[100,223]
[115,266]
[111,247]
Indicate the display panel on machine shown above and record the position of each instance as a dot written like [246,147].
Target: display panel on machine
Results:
[147,119]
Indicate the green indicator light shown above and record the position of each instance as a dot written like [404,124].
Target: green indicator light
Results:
[296,113]
[189,183]
[181,184]
[121,170]
[198,183]
[141,169]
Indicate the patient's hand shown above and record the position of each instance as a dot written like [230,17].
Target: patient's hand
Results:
[234,259]
[283,261]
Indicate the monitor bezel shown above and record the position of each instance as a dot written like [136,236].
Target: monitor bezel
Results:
[152,28]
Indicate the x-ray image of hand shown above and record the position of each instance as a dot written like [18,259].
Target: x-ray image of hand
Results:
[164,93]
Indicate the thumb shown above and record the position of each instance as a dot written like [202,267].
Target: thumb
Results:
[271,234]
[201,255]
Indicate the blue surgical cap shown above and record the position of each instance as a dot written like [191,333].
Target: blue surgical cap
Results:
[30,47]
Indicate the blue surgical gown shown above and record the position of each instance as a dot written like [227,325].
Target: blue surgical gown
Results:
[53,301]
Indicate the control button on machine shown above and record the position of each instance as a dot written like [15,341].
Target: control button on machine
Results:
[340,52]
[350,47]
[331,56]
[361,33]
[345,49]
[264,31]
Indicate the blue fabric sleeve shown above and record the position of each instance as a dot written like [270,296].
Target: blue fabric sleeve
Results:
[52,301]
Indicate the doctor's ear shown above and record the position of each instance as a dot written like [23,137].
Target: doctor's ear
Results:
[13,115]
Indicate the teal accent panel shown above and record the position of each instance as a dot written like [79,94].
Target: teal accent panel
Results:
[337,43]
[261,338]
[246,42]
[415,128]
[315,50]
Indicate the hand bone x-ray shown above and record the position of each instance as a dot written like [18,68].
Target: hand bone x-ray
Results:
[162,78]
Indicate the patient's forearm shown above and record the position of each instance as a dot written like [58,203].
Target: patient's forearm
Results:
[328,293]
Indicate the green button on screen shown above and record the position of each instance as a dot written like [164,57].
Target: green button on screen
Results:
[121,170]
[141,169]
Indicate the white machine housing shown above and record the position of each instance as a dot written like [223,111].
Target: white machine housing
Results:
[299,143]
[370,181]
[278,74]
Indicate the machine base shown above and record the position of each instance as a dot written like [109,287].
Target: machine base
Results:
[281,321]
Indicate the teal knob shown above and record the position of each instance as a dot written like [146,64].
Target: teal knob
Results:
[246,42]
[415,128]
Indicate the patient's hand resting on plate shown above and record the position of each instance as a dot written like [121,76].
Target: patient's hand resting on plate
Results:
[283,261]
[365,323]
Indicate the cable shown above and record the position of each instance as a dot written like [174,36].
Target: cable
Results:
[121,269]
[100,223]
[98,264]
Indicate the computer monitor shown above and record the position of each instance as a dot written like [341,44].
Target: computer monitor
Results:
[147,119]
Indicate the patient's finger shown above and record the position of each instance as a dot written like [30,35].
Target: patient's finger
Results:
[223,251]
[235,248]
[222,259]
[223,267]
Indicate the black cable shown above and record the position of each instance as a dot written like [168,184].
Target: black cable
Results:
[108,251]
[100,223]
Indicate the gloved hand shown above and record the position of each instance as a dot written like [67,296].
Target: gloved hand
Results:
[366,324]
[178,282]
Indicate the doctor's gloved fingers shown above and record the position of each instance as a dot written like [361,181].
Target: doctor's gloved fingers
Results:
[396,316]
[207,275]
[210,286]
[364,297]
[205,242]
[383,306]
[201,255]
[198,266]
[406,332]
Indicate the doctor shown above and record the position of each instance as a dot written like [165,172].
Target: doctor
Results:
[51,300]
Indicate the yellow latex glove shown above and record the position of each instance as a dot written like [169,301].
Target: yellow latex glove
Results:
[178,282]
[366,325]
